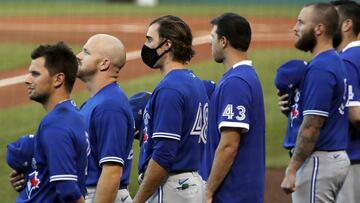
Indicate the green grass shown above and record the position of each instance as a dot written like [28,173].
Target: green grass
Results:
[23,119]
[17,55]
[126,9]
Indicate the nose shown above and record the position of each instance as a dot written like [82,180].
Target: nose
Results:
[27,79]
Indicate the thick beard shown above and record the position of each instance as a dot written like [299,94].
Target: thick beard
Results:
[307,42]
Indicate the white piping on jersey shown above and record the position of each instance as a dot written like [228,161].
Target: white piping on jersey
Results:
[316,112]
[351,45]
[63,177]
[111,159]
[244,62]
[166,135]
[353,103]
[245,126]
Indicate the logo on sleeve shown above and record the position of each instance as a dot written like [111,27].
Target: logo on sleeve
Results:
[33,183]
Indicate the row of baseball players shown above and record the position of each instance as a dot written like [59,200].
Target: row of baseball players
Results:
[322,101]
[182,132]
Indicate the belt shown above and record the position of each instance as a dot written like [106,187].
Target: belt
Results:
[121,187]
[292,150]
[353,162]
[175,172]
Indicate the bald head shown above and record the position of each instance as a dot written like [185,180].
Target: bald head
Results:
[326,14]
[107,46]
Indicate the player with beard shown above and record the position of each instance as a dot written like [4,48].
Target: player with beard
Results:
[322,137]
[348,47]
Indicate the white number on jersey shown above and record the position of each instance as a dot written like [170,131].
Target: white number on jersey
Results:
[345,98]
[228,112]
[201,123]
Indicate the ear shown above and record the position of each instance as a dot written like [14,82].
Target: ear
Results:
[58,80]
[347,25]
[223,42]
[168,44]
[319,29]
[105,64]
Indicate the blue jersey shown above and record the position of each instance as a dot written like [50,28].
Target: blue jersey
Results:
[60,156]
[111,130]
[237,102]
[351,58]
[325,94]
[174,122]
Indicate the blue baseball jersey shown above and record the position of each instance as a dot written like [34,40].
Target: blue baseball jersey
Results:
[174,121]
[325,94]
[111,130]
[351,58]
[61,147]
[237,102]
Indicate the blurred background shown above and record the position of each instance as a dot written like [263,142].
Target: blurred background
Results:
[24,24]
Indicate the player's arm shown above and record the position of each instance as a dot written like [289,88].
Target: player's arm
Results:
[155,175]
[111,130]
[108,183]
[305,144]
[224,157]
[354,116]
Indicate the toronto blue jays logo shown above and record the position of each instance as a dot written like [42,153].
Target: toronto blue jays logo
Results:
[294,108]
[33,183]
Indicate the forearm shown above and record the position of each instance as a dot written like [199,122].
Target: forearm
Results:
[81,200]
[108,184]
[308,135]
[223,160]
[155,175]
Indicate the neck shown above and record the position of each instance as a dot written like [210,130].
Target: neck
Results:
[171,65]
[98,82]
[345,41]
[233,57]
[322,45]
[55,99]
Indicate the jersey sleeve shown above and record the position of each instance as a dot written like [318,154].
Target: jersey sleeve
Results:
[60,154]
[168,115]
[354,86]
[111,134]
[318,92]
[234,104]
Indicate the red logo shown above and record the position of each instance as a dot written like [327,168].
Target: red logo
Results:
[33,183]
[294,113]
[145,137]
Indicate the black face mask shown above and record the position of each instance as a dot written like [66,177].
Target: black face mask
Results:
[150,56]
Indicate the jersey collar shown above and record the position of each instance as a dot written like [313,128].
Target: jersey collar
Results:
[244,62]
[352,44]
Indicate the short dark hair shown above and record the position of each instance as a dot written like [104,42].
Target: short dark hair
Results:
[348,9]
[59,58]
[326,14]
[234,28]
[178,32]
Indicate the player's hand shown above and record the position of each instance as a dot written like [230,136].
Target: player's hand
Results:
[17,180]
[288,183]
[284,103]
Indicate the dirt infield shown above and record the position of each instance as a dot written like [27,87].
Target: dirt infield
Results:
[267,33]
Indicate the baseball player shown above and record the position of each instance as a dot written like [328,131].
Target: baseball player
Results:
[108,118]
[235,147]
[55,160]
[322,137]
[349,49]
[288,81]
[174,117]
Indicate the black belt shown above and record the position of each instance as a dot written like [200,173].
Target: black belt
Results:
[175,172]
[353,162]
[121,187]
